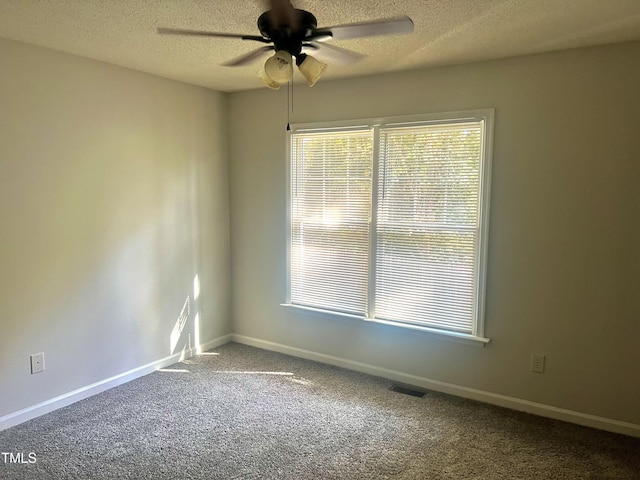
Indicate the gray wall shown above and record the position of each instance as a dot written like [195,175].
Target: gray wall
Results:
[113,197]
[563,264]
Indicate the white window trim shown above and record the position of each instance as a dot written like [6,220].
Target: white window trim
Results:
[487,116]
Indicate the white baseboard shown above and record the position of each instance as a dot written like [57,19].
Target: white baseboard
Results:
[52,404]
[216,342]
[513,403]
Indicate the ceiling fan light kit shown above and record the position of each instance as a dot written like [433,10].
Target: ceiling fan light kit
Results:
[311,69]
[279,68]
[292,32]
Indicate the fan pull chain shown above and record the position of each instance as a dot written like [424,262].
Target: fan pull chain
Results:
[289,103]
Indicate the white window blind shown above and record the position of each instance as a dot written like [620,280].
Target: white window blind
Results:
[428,225]
[388,222]
[330,216]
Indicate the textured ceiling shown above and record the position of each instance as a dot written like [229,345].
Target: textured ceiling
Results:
[123,32]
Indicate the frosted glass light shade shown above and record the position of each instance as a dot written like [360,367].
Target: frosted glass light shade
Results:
[268,81]
[279,68]
[312,69]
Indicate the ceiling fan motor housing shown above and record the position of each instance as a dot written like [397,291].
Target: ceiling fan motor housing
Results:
[285,36]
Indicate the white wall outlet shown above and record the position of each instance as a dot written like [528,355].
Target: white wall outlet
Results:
[537,363]
[37,363]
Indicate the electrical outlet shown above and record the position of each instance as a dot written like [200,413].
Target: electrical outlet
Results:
[37,363]
[537,363]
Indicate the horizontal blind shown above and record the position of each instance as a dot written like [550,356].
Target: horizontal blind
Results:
[428,225]
[330,216]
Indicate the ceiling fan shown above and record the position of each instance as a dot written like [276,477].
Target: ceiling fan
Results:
[292,32]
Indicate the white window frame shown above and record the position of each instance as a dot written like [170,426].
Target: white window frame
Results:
[477,337]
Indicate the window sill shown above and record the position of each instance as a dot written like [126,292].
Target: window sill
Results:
[432,332]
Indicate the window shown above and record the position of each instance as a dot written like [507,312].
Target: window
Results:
[388,220]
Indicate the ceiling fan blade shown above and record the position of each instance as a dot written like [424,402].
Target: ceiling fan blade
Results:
[331,54]
[402,24]
[198,33]
[247,58]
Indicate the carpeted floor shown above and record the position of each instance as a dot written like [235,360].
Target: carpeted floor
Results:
[245,413]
